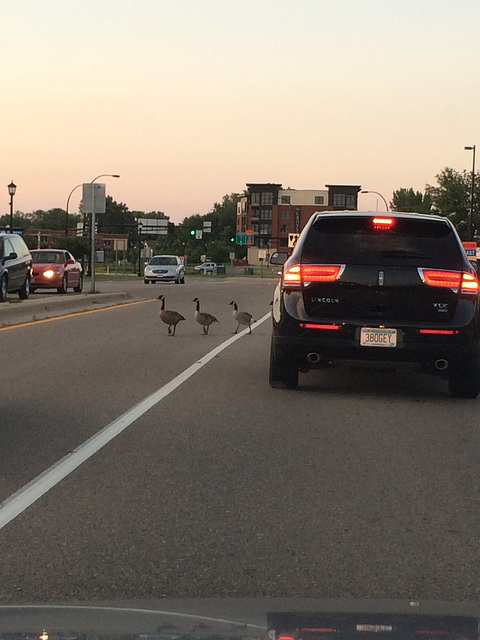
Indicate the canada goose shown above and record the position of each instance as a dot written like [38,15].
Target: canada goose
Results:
[205,319]
[171,318]
[242,317]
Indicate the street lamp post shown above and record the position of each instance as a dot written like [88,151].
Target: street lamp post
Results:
[11,190]
[66,208]
[471,227]
[378,194]
[139,230]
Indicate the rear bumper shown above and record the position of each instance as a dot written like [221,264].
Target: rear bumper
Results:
[410,348]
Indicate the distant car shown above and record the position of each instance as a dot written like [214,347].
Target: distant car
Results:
[15,266]
[56,269]
[164,269]
[207,267]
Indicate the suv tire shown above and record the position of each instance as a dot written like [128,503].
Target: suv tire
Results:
[464,379]
[282,374]
[24,292]
[3,289]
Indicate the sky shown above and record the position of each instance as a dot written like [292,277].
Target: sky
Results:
[188,100]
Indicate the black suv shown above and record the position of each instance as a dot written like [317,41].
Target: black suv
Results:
[394,287]
[15,266]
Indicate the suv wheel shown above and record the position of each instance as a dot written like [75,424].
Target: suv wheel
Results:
[464,379]
[24,292]
[282,375]
[3,289]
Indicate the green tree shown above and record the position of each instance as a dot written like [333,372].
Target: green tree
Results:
[78,246]
[411,201]
[51,219]
[451,198]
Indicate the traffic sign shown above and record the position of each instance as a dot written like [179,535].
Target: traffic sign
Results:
[244,237]
[17,232]
[292,239]
[470,249]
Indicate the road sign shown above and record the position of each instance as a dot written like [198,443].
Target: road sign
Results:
[119,245]
[292,239]
[93,197]
[198,234]
[470,249]
[154,226]
[17,232]
[244,237]
[207,226]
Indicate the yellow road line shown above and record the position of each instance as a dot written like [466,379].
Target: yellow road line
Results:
[74,314]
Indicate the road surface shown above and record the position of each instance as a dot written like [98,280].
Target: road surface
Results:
[360,484]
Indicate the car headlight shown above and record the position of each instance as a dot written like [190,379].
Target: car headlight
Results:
[49,273]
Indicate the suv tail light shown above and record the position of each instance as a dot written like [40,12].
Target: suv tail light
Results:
[296,275]
[466,282]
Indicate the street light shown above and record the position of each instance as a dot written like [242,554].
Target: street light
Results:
[139,232]
[378,194]
[11,190]
[472,194]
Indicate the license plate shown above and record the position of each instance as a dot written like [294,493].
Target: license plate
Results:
[370,337]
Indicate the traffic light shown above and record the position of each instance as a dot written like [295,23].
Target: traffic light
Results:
[232,239]
[192,232]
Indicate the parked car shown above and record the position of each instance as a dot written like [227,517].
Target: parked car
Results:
[56,269]
[164,269]
[393,287]
[15,266]
[208,267]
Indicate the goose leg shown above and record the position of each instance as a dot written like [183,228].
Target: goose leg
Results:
[169,329]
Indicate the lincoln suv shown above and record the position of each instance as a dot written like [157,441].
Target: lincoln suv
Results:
[395,287]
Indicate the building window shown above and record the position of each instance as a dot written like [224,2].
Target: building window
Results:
[350,202]
[255,198]
[265,228]
[267,197]
[319,200]
[338,199]
[284,242]
[285,200]
[265,214]
[285,228]
[285,213]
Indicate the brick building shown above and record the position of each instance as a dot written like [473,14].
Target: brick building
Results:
[270,212]
[105,241]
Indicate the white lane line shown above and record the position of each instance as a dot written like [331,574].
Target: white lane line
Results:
[18,502]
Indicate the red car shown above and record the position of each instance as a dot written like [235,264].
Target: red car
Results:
[55,268]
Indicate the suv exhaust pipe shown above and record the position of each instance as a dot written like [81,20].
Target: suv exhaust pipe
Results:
[441,364]
[313,358]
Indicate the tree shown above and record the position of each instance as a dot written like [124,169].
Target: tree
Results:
[411,201]
[451,198]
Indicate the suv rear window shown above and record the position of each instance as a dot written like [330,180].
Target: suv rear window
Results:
[356,240]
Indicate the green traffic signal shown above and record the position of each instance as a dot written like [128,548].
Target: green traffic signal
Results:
[192,232]
[232,239]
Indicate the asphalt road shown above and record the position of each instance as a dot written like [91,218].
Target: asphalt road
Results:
[360,484]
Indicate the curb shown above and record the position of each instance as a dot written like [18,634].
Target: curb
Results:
[31,310]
